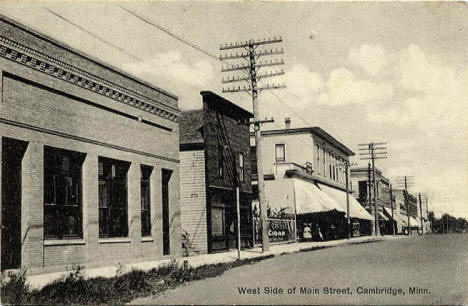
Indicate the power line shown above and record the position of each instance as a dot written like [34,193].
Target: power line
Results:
[91,33]
[179,38]
[200,49]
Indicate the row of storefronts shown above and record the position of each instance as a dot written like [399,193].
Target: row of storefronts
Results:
[101,168]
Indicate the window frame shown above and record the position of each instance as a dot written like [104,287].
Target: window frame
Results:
[113,209]
[241,164]
[220,161]
[145,191]
[284,152]
[67,177]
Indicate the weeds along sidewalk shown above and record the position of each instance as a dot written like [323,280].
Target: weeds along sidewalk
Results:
[125,283]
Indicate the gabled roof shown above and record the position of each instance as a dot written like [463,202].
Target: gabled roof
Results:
[317,131]
[191,127]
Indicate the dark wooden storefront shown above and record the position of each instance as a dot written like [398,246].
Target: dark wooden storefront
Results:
[222,220]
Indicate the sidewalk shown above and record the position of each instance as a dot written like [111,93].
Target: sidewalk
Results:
[39,281]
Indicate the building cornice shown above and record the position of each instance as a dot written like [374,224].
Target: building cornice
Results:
[49,65]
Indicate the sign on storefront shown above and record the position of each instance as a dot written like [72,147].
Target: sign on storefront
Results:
[280,230]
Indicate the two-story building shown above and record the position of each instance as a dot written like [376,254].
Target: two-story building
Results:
[214,160]
[304,176]
[363,190]
[411,203]
[90,159]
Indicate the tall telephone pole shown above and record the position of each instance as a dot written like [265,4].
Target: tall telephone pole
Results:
[372,151]
[406,182]
[391,205]
[369,197]
[250,75]
[422,220]
[345,166]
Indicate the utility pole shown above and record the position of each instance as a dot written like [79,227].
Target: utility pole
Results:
[422,220]
[372,151]
[391,205]
[406,182]
[427,214]
[345,165]
[251,55]
[369,198]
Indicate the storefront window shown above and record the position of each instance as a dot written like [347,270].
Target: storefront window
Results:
[145,200]
[62,193]
[113,211]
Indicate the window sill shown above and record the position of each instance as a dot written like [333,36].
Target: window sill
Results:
[64,242]
[115,240]
[147,239]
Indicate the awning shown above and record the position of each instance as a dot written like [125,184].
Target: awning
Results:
[415,222]
[396,217]
[404,220]
[383,216]
[355,209]
[310,199]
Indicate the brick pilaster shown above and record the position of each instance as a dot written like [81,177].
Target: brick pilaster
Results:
[156,209]
[134,208]
[90,205]
[32,207]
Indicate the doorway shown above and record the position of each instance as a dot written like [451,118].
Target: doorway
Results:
[12,156]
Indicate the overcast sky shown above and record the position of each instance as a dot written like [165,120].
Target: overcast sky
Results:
[371,71]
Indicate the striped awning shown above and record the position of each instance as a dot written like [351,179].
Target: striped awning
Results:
[415,222]
[310,199]
[355,209]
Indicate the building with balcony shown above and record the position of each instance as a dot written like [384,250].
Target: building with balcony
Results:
[90,159]
[304,177]
[214,160]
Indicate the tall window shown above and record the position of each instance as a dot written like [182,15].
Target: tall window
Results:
[333,166]
[220,161]
[280,153]
[113,207]
[318,158]
[324,162]
[145,200]
[63,213]
[240,165]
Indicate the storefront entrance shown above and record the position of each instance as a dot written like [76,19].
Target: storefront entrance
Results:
[12,155]
[223,222]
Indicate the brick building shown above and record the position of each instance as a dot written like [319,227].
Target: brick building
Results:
[90,159]
[214,158]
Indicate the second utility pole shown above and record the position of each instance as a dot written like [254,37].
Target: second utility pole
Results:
[251,68]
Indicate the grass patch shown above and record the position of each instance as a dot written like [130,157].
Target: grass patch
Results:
[124,287]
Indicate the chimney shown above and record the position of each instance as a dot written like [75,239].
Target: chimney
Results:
[287,122]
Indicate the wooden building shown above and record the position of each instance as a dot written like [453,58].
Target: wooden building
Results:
[214,159]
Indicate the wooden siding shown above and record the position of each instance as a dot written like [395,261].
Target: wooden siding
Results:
[193,199]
